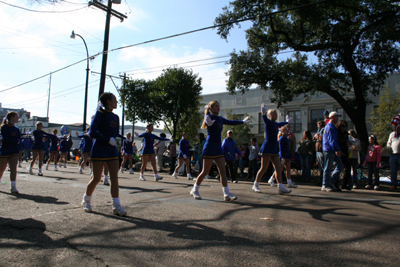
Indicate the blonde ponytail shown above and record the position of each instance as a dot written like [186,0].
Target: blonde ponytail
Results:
[206,111]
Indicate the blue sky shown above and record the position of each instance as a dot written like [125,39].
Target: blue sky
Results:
[35,44]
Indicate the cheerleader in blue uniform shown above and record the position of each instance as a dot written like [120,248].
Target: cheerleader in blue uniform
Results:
[269,149]
[148,151]
[54,139]
[63,148]
[37,147]
[9,151]
[87,147]
[212,150]
[104,129]
[127,152]
[183,156]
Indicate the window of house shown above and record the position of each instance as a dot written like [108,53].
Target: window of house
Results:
[295,122]
[239,117]
[316,115]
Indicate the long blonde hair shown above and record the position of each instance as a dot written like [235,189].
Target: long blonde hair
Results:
[206,112]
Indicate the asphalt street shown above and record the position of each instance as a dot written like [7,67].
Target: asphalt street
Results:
[45,224]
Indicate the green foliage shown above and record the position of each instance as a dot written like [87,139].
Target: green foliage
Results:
[355,42]
[173,98]
[241,133]
[382,115]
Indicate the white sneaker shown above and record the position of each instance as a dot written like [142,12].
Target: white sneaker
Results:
[65,165]
[106,182]
[40,173]
[271,181]
[30,171]
[229,197]
[195,194]
[141,178]
[291,184]
[175,175]
[207,177]
[130,171]
[47,167]
[326,188]
[283,190]
[157,177]
[122,170]
[86,206]
[55,168]
[80,171]
[256,188]
[189,176]
[118,210]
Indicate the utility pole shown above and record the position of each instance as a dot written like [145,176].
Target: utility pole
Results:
[48,99]
[123,110]
[110,12]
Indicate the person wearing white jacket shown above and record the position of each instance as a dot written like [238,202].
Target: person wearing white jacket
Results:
[354,145]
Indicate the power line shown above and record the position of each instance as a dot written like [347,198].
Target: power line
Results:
[168,37]
[45,75]
[38,11]
[211,63]
[178,63]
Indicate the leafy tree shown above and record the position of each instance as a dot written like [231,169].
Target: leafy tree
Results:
[388,108]
[356,44]
[173,98]
[241,133]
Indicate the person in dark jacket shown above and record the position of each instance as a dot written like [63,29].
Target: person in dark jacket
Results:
[343,139]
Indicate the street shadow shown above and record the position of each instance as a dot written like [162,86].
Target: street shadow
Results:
[362,199]
[37,199]
[58,178]
[138,190]
[28,230]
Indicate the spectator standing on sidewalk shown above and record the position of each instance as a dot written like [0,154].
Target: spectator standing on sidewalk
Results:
[244,159]
[373,162]
[172,155]
[332,153]
[318,149]
[253,158]
[159,148]
[393,145]
[305,150]
[354,156]
[343,138]
[292,142]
